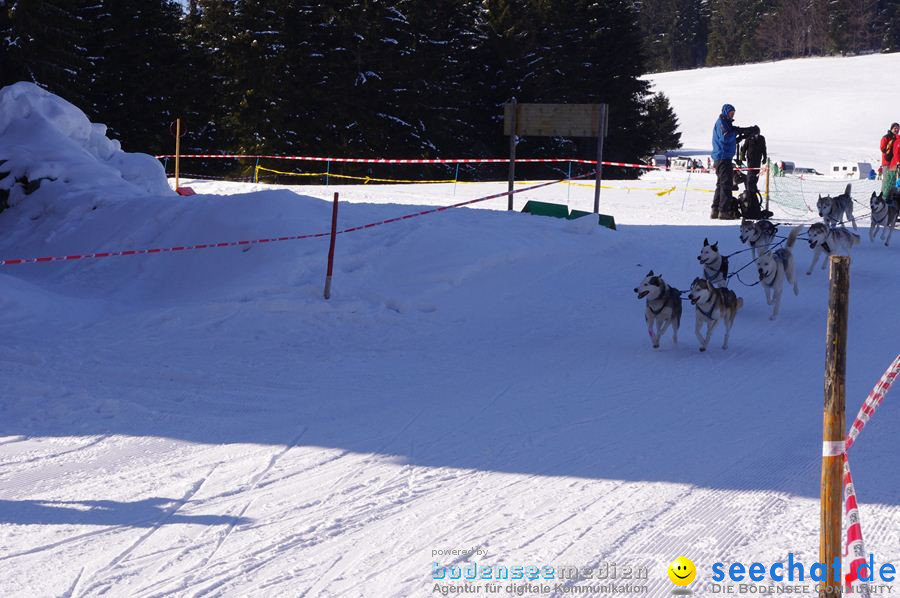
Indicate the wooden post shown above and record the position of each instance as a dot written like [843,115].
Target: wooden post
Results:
[512,153]
[177,150]
[334,212]
[768,169]
[598,176]
[834,422]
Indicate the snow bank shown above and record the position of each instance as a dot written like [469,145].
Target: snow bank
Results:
[46,141]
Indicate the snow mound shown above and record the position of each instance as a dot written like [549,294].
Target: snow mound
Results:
[50,151]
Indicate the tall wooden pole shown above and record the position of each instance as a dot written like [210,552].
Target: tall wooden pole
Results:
[834,422]
[177,150]
[512,152]
[768,169]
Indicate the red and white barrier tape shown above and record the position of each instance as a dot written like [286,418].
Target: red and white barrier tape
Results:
[873,401]
[413,161]
[385,160]
[854,546]
[102,254]
[424,160]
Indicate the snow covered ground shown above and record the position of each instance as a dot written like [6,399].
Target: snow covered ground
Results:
[203,423]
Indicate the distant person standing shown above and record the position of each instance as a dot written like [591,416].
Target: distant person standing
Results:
[724,143]
[753,152]
[890,157]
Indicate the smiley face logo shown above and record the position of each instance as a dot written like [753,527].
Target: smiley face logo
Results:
[682,571]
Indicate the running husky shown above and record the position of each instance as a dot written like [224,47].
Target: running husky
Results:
[829,241]
[884,214]
[833,209]
[663,306]
[715,265]
[759,235]
[774,268]
[713,304]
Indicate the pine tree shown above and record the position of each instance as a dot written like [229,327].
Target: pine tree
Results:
[661,124]
[448,103]
[732,31]
[673,34]
[136,70]
[42,43]
[889,25]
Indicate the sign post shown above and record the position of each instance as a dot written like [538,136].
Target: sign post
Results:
[513,113]
[556,120]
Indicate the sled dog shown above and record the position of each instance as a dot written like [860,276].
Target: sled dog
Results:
[829,241]
[774,268]
[834,209]
[759,235]
[713,304]
[884,214]
[663,306]
[715,265]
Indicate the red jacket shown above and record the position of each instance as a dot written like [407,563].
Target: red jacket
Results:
[889,142]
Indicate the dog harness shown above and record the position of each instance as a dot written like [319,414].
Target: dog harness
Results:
[662,295]
[722,272]
[709,315]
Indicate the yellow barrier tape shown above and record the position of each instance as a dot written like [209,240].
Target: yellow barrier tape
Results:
[660,190]
[367,179]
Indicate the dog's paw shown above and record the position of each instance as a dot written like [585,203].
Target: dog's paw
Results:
[656,346]
[702,349]
[808,272]
[772,317]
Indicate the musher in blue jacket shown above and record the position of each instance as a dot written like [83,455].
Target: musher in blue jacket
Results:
[724,142]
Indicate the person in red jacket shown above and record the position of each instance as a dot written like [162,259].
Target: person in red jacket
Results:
[890,158]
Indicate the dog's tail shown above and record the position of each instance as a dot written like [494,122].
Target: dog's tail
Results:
[792,236]
[847,190]
[739,304]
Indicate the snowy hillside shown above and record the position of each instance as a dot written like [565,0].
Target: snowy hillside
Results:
[204,423]
[812,111]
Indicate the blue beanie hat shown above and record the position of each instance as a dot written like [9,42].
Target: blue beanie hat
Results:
[727,108]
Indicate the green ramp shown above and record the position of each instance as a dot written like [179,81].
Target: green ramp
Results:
[603,220]
[542,208]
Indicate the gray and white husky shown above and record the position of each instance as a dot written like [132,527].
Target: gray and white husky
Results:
[774,268]
[715,265]
[663,306]
[884,214]
[759,235]
[834,209]
[713,304]
[829,241]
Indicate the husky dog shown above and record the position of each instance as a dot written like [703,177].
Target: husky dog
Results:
[715,265]
[833,209]
[759,235]
[713,304]
[884,214]
[829,240]
[663,306]
[774,268]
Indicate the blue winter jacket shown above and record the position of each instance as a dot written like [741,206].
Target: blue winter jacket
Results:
[724,137]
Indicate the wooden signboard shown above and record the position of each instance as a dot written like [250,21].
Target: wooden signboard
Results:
[553,120]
